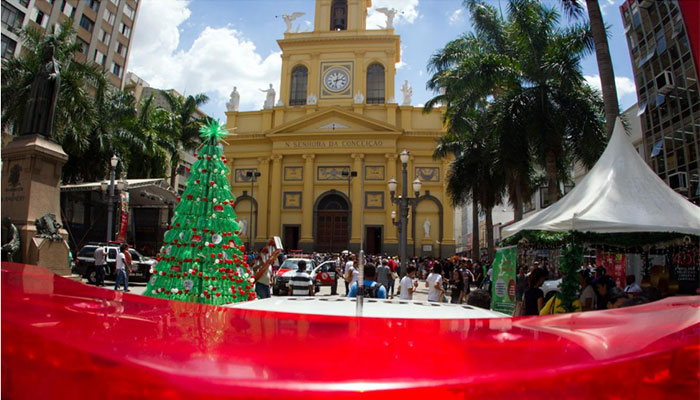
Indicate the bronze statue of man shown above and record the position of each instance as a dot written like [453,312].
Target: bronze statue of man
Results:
[39,112]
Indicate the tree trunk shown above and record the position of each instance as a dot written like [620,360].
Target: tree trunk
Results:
[518,203]
[475,230]
[552,181]
[605,67]
[489,234]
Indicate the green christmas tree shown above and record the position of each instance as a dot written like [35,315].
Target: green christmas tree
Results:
[202,259]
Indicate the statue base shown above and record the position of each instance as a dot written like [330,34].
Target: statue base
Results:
[31,188]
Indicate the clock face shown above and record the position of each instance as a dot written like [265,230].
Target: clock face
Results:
[336,80]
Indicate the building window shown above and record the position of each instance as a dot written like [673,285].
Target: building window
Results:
[86,23]
[375,84]
[83,46]
[115,2]
[94,4]
[129,12]
[100,58]
[124,29]
[25,3]
[67,9]
[12,18]
[104,36]
[339,15]
[8,46]
[109,17]
[120,48]
[297,90]
[117,69]
[39,17]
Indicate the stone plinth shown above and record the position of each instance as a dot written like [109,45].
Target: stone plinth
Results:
[31,179]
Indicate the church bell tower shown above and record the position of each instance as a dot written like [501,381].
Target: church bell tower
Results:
[340,62]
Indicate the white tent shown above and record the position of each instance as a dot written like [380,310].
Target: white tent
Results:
[619,194]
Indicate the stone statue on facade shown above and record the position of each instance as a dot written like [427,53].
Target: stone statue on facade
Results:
[242,227]
[426,228]
[233,102]
[47,228]
[359,98]
[11,242]
[311,99]
[270,99]
[407,92]
[289,18]
[390,13]
[40,110]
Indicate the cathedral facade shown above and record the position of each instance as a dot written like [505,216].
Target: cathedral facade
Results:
[313,168]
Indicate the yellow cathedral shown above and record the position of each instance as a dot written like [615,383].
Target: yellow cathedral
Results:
[325,151]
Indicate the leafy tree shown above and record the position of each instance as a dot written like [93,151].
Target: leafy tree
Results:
[184,124]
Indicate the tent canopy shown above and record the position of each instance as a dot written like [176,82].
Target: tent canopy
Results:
[619,194]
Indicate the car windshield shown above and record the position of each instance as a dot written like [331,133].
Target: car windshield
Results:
[87,251]
[292,263]
[134,255]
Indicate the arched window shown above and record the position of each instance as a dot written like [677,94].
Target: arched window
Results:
[375,84]
[297,89]
[339,15]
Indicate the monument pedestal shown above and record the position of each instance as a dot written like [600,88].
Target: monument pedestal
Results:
[31,179]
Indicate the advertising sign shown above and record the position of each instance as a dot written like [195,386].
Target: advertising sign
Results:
[615,265]
[503,277]
[124,220]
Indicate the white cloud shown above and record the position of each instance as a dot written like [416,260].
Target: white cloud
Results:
[218,59]
[402,63]
[456,17]
[603,6]
[625,86]
[407,12]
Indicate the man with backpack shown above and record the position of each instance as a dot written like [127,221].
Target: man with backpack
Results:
[371,288]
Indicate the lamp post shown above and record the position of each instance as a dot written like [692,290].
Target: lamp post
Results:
[110,207]
[403,202]
[253,175]
[349,174]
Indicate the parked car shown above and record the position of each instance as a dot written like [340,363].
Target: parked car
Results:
[325,275]
[85,262]
[285,272]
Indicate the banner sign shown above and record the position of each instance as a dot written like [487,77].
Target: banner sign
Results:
[503,278]
[124,220]
[615,265]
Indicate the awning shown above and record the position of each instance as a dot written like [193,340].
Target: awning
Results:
[143,193]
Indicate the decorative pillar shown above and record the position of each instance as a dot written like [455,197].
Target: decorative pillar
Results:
[356,198]
[307,199]
[391,234]
[275,195]
[263,196]
[410,240]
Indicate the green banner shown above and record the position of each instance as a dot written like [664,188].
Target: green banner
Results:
[503,278]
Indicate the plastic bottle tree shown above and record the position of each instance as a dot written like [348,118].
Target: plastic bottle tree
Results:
[202,258]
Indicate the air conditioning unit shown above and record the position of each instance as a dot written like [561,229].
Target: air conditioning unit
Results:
[646,3]
[664,82]
[678,181]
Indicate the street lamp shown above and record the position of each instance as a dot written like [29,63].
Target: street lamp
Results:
[403,202]
[110,207]
[349,174]
[253,175]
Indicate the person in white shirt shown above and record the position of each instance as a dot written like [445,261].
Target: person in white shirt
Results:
[350,273]
[408,285]
[434,283]
[99,266]
[588,297]
[301,283]
[122,265]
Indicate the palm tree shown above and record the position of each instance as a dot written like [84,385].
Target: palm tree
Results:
[574,8]
[155,143]
[184,125]
[552,104]
[476,173]
[74,108]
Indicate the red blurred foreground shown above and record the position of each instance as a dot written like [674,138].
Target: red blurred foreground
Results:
[62,339]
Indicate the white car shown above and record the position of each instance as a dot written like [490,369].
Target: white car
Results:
[550,287]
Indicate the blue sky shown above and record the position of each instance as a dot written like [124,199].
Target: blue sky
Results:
[212,45]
